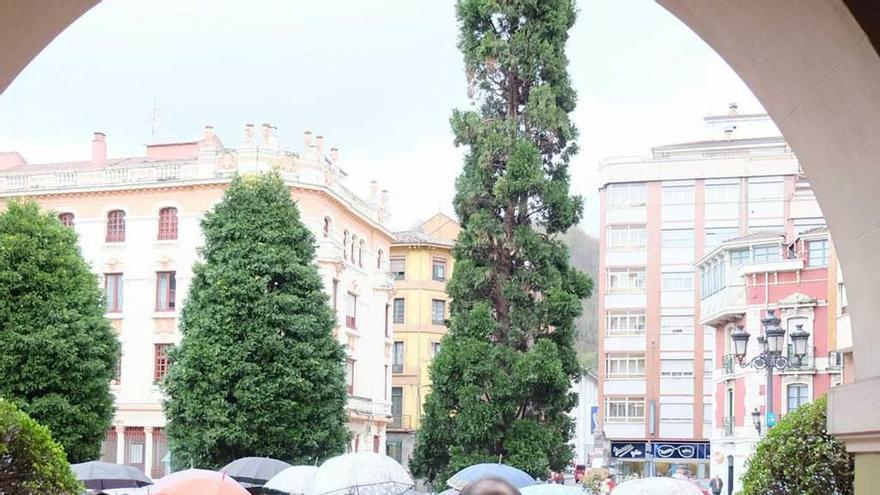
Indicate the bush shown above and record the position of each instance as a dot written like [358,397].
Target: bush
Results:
[30,460]
[799,457]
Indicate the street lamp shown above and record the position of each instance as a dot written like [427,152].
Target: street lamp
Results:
[770,358]
[756,420]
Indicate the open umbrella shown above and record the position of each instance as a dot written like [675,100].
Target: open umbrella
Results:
[361,473]
[188,474]
[254,471]
[551,489]
[222,486]
[292,480]
[657,486]
[97,475]
[449,491]
[510,474]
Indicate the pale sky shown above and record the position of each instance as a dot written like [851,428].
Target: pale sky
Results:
[378,78]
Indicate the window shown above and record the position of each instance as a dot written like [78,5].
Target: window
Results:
[377,442]
[160,361]
[722,193]
[345,241]
[351,310]
[678,281]
[113,290]
[66,219]
[387,326]
[624,409]
[716,236]
[349,375]
[399,310]
[678,238]
[167,224]
[626,237]
[766,189]
[398,268]
[435,349]
[166,287]
[394,449]
[677,325]
[397,358]
[438,311]
[678,195]
[765,254]
[327,224]
[712,278]
[817,253]
[438,269]
[630,322]
[397,406]
[624,365]
[380,256]
[117,374]
[626,279]
[354,245]
[708,411]
[361,247]
[798,395]
[624,195]
[739,257]
[676,368]
[116,226]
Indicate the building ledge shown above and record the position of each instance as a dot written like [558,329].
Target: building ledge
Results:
[857,427]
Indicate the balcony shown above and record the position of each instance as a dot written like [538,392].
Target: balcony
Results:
[806,363]
[401,422]
[397,368]
[368,407]
[728,424]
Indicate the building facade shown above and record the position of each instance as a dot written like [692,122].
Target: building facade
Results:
[741,280]
[586,418]
[658,215]
[138,224]
[421,264]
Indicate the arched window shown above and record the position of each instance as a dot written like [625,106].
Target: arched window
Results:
[167,223]
[66,219]
[326,226]
[798,395]
[116,226]
[381,255]
[345,245]
[361,254]
[354,242]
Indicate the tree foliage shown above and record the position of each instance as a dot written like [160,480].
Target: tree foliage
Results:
[502,378]
[57,351]
[30,460]
[799,457]
[258,372]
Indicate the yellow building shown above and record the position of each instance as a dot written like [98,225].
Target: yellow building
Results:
[421,263]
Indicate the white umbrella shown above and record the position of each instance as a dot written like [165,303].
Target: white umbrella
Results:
[657,486]
[292,480]
[361,473]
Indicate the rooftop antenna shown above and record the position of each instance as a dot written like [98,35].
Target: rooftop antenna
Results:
[155,120]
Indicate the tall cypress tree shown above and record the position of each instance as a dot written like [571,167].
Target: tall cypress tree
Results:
[57,351]
[258,372]
[501,381]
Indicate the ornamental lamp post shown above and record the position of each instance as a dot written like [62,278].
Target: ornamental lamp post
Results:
[756,420]
[770,358]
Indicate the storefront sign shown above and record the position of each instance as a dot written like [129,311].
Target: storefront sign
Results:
[628,450]
[661,451]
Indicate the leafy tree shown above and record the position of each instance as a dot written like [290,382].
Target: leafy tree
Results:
[57,351]
[798,456]
[502,378]
[258,372]
[30,460]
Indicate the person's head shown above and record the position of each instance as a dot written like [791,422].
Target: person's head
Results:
[490,486]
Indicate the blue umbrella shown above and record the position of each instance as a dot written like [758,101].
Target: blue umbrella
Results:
[552,489]
[510,474]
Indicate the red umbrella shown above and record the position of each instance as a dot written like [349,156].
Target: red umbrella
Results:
[214,486]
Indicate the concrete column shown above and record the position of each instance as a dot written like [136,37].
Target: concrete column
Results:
[148,450]
[120,444]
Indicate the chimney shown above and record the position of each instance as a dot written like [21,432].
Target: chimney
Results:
[208,134]
[266,134]
[319,146]
[334,155]
[307,140]
[248,133]
[99,149]
[374,191]
[728,132]
[733,108]
[383,199]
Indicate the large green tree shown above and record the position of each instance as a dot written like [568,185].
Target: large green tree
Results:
[57,351]
[30,460]
[799,457]
[258,372]
[501,381]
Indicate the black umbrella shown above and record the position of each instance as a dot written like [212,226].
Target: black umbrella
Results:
[254,471]
[97,475]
